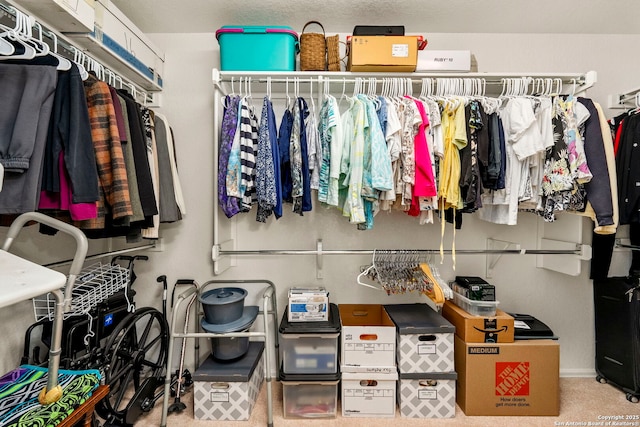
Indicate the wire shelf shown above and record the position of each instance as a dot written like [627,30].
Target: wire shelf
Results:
[93,285]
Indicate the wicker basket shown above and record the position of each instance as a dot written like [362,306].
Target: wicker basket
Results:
[313,50]
[333,53]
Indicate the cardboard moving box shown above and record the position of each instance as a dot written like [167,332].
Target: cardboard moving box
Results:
[383,53]
[368,338]
[369,395]
[519,378]
[470,328]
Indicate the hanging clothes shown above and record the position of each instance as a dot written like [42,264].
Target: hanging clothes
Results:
[109,158]
[301,192]
[122,118]
[168,205]
[599,157]
[70,177]
[248,147]
[351,168]
[284,144]
[334,135]
[140,157]
[27,93]
[266,192]
[424,179]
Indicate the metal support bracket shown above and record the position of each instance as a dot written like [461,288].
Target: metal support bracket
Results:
[319,260]
[492,259]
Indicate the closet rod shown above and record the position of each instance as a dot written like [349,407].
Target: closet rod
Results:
[581,81]
[576,251]
[103,255]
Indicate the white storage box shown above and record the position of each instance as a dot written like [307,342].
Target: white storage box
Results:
[368,338]
[308,305]
[425,339]
[310,347]
[475,308]
[309,396]
[66,16]
[444,60]
[122,46]
[369,395]
[427,395]
[228,390]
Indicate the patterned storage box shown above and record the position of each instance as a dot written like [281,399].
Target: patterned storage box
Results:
[229,390]
[424,337]
[427,395]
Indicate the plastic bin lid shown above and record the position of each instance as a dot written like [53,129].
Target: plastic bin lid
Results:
[331,326]
[418,319]
[429,376]
[238,370]
[256,29]
[309,377]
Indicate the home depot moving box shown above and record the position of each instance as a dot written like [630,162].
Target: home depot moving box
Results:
[383,53]
[470,328]
[519,378]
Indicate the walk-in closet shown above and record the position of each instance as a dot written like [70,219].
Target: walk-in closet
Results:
[211,226]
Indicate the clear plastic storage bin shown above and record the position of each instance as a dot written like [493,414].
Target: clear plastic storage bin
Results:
[476,308]
[310,396]
[310,347]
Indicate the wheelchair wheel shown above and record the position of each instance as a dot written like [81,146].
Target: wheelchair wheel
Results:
[135,352]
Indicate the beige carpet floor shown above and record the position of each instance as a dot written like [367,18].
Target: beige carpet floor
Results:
[582,401]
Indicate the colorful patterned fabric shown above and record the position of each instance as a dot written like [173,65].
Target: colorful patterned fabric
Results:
[265,168]
[228,204]
[19,389]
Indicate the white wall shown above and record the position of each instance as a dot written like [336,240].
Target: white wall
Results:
[563,302]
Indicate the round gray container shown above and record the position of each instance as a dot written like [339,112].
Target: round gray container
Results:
[223,305]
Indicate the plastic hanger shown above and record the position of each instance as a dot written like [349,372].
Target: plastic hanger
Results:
[77,56]
[6,48]
[63,63]
[436,295]
[42,49]
[15,36]
[371,272]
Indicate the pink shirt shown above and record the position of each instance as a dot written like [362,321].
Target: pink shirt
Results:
[62,200]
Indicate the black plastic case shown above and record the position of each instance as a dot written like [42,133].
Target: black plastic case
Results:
[617,318]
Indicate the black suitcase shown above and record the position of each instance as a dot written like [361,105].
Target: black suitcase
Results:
[617,319]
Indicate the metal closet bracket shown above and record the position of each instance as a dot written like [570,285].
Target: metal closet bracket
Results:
[497,245]
[496,248]
[319,260]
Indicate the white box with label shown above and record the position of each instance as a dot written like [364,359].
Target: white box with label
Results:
[444,60]
[308,305]
[368,337]
[369,395]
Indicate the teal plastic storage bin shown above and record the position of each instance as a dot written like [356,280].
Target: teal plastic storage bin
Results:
[257,48]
